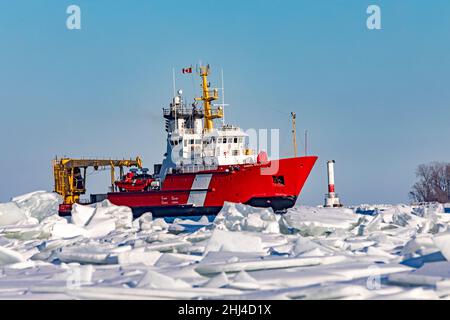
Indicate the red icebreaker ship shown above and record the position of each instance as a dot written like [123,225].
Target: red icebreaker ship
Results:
[205,166]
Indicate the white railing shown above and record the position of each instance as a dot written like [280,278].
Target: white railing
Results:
[193,169]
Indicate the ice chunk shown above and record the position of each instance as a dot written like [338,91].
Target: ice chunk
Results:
[176,259]
[144,222]
[153,279]
[413,279]
[423,218]
[176,228]
[67,231]
[272,227]
[237,217]
[170,245]
[261,222]
[413,294]
[81,215]
[305,246]
[86,255]
[100,228]
[438,269]
[218,281]
[429,209]
[92,230]
[317,252]
[11,214]
[158,225]
[244,281]
[237,242]
[74,275]
[138,256]
[214,257]
[8,256]
[266,264]
[315,221]
[421,244]
[108,292]
[122,215]
[102,219]
[39,204]
[253,223]
[202,221]
[442,241]
[398,215]
[375,251]
[47,223]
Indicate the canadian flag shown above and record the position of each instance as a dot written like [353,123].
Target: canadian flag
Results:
[187,70]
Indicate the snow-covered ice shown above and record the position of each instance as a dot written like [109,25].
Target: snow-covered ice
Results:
[364,252]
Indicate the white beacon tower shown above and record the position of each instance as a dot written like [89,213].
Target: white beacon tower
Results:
[331,198]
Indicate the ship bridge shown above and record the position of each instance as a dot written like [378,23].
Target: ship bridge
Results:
[192,139]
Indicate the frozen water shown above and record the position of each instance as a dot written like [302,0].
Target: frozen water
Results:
[8,256]
[39,204]
[235,242]
[241,217]
[316,221]
[10,214]
[442,241]
[365,252]
[139,256]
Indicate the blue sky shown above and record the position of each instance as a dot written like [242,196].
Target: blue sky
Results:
[375,101]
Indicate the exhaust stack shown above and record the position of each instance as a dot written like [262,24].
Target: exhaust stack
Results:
[331,198]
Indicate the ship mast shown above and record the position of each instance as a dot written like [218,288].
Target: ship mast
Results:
[294,132]
[207,97]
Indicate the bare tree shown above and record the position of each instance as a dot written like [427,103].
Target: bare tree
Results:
[433,183]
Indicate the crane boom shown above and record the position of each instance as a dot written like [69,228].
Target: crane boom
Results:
[70,174]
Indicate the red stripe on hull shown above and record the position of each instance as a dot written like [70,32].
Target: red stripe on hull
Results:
[279,178]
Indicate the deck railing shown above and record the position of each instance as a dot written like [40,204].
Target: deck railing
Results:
[193,168]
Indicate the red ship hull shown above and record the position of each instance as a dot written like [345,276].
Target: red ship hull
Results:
[276,184]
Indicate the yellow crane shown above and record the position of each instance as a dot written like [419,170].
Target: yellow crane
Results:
[70,174]
[207,97]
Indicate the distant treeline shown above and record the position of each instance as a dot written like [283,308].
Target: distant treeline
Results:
[433,183]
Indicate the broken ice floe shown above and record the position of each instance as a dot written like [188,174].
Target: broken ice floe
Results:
[395,252]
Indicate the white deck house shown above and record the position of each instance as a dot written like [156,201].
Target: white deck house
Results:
[190,147]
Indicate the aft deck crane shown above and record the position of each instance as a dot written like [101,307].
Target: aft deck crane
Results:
[70,175]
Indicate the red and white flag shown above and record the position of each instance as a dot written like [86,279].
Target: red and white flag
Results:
[187,70]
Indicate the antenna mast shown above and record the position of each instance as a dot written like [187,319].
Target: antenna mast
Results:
[294,132]
[223,99]
[173,81]
[306,142]
[207,97]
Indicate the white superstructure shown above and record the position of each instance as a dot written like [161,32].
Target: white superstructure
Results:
[190,146]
